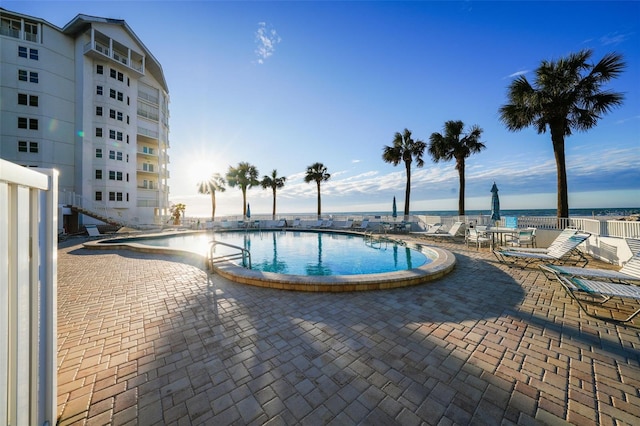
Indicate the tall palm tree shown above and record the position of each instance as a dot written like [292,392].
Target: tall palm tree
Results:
[405,149]
[455,144]
[244,176]
[317,172]
[274,182]
[210,186]
[566,95]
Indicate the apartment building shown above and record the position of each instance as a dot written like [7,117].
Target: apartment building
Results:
[90,100]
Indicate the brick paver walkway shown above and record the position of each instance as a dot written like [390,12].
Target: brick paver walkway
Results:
[148,339]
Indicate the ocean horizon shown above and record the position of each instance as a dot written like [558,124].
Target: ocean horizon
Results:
[600,213]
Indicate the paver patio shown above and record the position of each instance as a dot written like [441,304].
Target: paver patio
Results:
[154,339]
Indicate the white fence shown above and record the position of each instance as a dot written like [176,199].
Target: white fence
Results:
[28,286]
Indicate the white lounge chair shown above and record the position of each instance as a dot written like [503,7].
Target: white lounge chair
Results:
[93,231]
[326,224]
[566,252]
[296,222]
[629,272]
[599,292]
[348,224]
[281,223]
[317,224]
[364,225]
[433,229]
[456,230]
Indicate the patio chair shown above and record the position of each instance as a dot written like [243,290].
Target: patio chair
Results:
[523,238]
[93,231]
[476,237]
[317,224]
[296,222]
[629,272]
[566,252]
[599,292]
[281,223]
[326,224]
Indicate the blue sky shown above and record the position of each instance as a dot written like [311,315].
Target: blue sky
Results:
[283,85]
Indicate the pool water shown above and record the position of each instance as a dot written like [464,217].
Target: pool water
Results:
[304,252]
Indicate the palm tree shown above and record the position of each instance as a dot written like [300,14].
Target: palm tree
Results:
[317,172]
[245,176]
[455,144]
[405,149]
[566,95]
[274,182]
[214,183]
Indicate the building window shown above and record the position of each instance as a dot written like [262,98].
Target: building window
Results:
[112,93]
[33,77]
[118,175]
[112,73]
[127,119]
[33,147]
[112,155]
[22,51]
[24,99]
[112,113]
[98,152]
[99,90]
[22,75]
[119,116]
[127,141]
[98,195]
[127,197]
[112,175]
[120,76]
[33,54]
[119,156]
[22,122]
[98,173]
[127,159]
[33,124]
[31,31]
[99,110]
[22,146]
[112,196]
[127,177]
[120,96]
[118,196]
[119,136]
[98,132]
[112,134]
[99,69]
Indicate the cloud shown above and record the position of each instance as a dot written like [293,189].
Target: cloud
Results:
[614,38]
[517,74]
[266,40]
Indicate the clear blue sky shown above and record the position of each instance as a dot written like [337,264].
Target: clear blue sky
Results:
[282,85]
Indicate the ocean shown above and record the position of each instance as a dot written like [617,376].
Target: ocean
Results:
[600,213]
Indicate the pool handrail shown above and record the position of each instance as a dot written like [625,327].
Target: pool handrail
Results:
[244,254]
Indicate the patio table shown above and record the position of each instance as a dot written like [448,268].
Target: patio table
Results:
[500,232]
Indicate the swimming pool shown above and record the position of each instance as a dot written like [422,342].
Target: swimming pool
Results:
[306,260]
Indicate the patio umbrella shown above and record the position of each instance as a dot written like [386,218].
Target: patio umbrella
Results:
[394,208]
[495,203]
[248,211]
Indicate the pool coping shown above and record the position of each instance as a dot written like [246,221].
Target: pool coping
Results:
[439,267]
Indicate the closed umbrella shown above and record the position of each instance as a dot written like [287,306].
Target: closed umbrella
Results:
[495,203]
[248,211]
[394,208]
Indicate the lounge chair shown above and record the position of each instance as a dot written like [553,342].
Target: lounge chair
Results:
[348,224]
[93,231]
[456,230]
[326,224]
[629,272]
[364,225]
[281,223]
[433,229]
[317,224]
[566,252]
[296,222]
[599,292]
[560,239]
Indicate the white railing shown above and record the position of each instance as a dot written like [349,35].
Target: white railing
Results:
[28,295]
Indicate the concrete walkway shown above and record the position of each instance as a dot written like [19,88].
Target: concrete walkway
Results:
[147,339]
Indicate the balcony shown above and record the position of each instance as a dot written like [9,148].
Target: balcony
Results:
[100,46]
